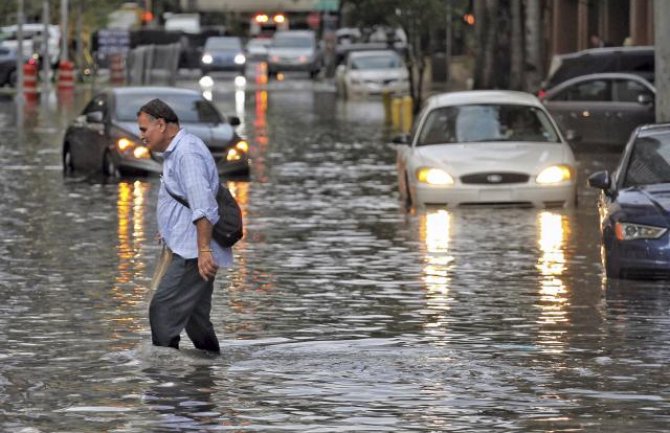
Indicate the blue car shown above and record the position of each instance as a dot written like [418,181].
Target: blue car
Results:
[223,53]
[634,207]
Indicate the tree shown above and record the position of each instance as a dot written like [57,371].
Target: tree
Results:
[415,17]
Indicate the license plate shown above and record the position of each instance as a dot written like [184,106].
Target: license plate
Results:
[498,195]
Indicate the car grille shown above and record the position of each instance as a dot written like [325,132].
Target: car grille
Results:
[494,178]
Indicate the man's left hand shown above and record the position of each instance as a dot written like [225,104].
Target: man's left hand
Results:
[206,265]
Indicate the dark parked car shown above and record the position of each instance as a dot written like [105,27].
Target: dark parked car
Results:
[223,53]
[7,66]
[637,60]
[294,50]
[602,108]
[634,207]
[105,137]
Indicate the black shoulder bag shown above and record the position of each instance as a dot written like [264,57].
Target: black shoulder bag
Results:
[228,230]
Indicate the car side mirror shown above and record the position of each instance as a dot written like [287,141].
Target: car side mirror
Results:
[94,117]
[600,180]
[644,99]
[401,139]
[234,121]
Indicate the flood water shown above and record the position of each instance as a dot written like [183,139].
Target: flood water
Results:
[343,312]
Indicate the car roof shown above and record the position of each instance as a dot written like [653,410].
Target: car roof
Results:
[153,90]
[369,53]
[469,97]
[602,75]
[292,33]
[653,129]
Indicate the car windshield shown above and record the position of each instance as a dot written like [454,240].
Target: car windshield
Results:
[189,108]
[649,161]
[486,122]
[293,42]
[381,61]
[223,44]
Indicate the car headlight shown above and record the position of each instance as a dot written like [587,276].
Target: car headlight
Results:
[242,146]
[554,174]
[234,155]
[130,148]
[434,176]
[240,59]
[207,59]
[630,231]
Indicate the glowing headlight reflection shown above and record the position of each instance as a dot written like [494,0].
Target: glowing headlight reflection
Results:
[436,233]
[206,81]
[551,265]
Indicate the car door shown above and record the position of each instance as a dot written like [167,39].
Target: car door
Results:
[581,108]
[633,105]
[88,135]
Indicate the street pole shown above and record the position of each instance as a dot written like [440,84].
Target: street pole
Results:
[19,54]
[45,50]
[449,42]
[63,30]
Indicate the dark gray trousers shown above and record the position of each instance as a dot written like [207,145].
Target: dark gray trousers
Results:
[183,300]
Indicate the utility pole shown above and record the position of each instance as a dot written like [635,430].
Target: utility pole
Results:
[63,30]
[46,61]
[449,43]
[662,54]
[19,54]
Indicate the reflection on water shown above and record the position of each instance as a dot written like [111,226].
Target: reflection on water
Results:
[128,293]
[341,313]
[553,230]
[435,232]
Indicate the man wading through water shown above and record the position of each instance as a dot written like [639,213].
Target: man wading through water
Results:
[190,258]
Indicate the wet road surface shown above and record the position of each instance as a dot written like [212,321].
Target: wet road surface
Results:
[343,312]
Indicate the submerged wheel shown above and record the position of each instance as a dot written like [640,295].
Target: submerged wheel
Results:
[408,194]
[109,169]
[68,167]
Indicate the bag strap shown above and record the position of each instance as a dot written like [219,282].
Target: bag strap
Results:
[176,197]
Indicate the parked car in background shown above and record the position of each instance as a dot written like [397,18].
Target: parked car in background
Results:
[486,148]
[602,108]
[634,207]
[294,50]
[372,72]
[8,72]
[638,60]
[223,53]
[257,49]
[105,138]
[32,40]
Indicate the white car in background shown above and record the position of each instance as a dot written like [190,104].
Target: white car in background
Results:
[486,148]
[372,72]
[32,37]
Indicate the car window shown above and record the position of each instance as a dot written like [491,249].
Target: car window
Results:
[649,162]
[594,90]
[189,108]
[223,44]
[293,42]
[629,90]
[490,122]
[383,61]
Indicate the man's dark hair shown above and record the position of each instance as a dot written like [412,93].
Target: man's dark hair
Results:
[159,110]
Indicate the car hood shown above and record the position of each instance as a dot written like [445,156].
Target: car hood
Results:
[379,74]
[647,204]
[216,137]
[518,157]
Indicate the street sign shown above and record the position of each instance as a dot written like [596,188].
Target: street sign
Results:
[327,5]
